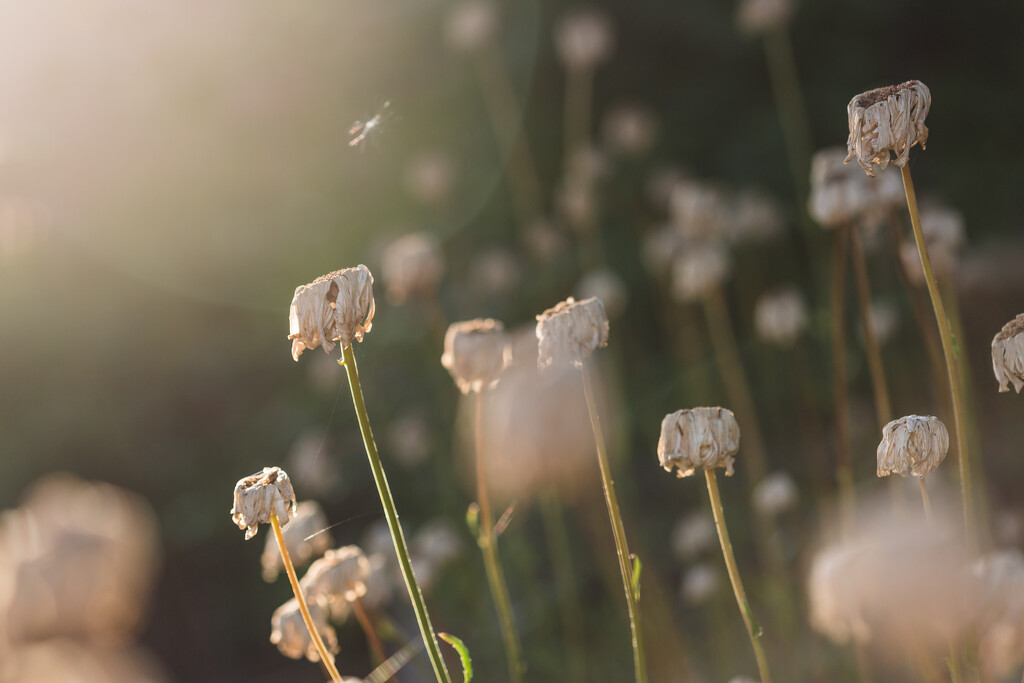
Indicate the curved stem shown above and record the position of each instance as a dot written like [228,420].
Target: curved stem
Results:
[618,531]
[326,657]
[753,630]
[844,471]
[488,542]
[883,406]
[371,633]
[388,503]
[949,353]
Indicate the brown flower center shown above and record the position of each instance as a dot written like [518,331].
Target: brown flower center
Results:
[879,94]
[1012,328]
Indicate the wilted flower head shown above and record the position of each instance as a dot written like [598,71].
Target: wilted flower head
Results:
[412,265]
[584,38]
[760,16]
[914,444]
[697,209]
[1008,355]
[944,237]
[607,285]
[261,495]
[333,307]
[754,218]
[430,177]
[289,633]
[775,494]
[698,438]
[306,536]
[698,270]
[692,535]
[470,25]
[571,331]
[700,583]
[339,575]
[476,352]
[781,317]
[1001,622]
[887,121]
[629,130]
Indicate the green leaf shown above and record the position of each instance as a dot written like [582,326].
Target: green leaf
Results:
[638,567]
[473,519]
[460,647]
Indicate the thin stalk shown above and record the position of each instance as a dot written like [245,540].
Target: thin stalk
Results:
[925,499]
[579,86]
[488,542]
[753,630]
[949,353]
[618,531]
[790,102]
[371,633]
[844,469]
[955,667]
[883,406]
[325,656]
[565,578]
[388,503]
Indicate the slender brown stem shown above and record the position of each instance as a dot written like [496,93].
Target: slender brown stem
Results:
[488,542]
[618,531]
[753,630]
[844,470]
[925,499]
[949,353]
[325,656]
[371,633]
[883,406]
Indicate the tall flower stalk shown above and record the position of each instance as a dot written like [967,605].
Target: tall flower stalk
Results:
[844,468]
[872,347]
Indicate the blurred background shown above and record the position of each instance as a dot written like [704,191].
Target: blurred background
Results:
[170,173]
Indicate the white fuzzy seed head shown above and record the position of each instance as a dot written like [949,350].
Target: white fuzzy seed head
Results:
[698,438]
[912,445]
[334,307]
[1008,355]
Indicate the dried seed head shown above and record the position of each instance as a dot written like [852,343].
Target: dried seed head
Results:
[914,444]
[698,210]
[781,317]
[571,331]
[775,494]
[336,306]
[760,16]
[842,193]
[607,285]
[700,583]
[698,270]
[698,438]
[340,575]
[289,633]
[1008,355]
[887,121]
[630,130]
[584,38]
[1001,620]
[261,495]
[470,25]
[692,535]
[412,265]
[944,236]
[476,352]
[306,537]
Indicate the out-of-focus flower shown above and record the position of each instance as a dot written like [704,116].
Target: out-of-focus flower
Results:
[495,271]
[944,236]
[760,16]
[658,250]
[887,121]
[698,270]
[584,38]
[543,240]
[698,438]
[470,25]
[843,194]
[288,631]
[67,661]
[775,494]
[754,219]
[1008,527]
[306,536]
[430,178]
[894,580]
[915,444]
[380,584]
[261,495]
[700,583]
[885,320]
[433,547]
[410,438]
[1008,355]
[1001,623]
[334,307]
[340,575]
[587,165]
[692,535]
[607,286]
[660,184]
[571,331]
[476,352]
[25,223]
[629,130]
[412,266]
[697,210]
[781,317]
[576,205]
[310,461]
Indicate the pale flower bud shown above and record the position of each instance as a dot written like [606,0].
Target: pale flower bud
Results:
[339,575]
[470,25]
[914,444]
[781,317]
[761,16]
[476,352]
[336,306]
[1008,355]
[698,270]
[700,584]
[289,633]
[584,38]
[698,438]
[261,495]
[887,121]
[775,494]
[412,265]
[571,331]
[306,537]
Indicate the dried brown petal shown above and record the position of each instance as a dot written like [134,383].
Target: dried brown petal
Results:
[336,306]
[698,438]
[306,537]
[476,352]
[887,121]
[289,632]
[914,444]
[1008,355]
[339,575]
[261,495]
[571,331]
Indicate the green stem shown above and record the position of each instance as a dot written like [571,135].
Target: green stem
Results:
[326,657]
[618,531]
[792,112]
[488,542]
[753,630]
[415,594]
[844,469]
[883,406]
[568,596]
[948,352]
